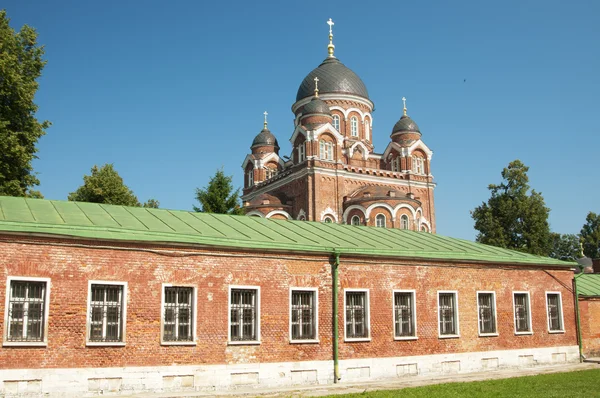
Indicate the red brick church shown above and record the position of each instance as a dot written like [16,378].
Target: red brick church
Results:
[334,173]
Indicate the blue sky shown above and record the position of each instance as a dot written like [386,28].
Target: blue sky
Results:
[171,91]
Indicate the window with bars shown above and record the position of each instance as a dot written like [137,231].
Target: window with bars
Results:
[554,305]
[404,316]
[244,315]
[357,315]
[522,315]
[355,220]
[486,304]
[106,313]
[354,126]
[336,122]
[26,311]
[303,315]
[380,221]
[447,312]
[404,221]
[178,314]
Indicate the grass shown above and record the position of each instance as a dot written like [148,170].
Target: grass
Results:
[584,383]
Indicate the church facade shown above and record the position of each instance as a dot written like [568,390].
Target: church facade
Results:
[334,173]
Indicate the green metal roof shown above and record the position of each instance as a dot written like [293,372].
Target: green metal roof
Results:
[100,221]
[588,285]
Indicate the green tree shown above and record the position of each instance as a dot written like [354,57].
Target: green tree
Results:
[513,218]
[590,235]
[219,196]
[105,185]
[151,203]
[565,247]
[21,65]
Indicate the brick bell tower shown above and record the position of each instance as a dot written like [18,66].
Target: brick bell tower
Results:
[333,173]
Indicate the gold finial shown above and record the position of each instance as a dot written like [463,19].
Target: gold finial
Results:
[316,87]
[404,102]
[330,47]
[266,113]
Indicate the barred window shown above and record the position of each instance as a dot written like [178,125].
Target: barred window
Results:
[487,313]
[357,315]
[106,313]
[522,315]
[26,311]
[404,319]
[554,312]
[303,315]
[244,315]
[178,314]
[448,315]
[336,122]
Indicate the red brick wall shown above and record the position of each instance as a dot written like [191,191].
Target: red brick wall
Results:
[70,269]
[589,315]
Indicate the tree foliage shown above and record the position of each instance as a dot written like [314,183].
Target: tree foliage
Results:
[565,247]
[219,196]
[105,185]
[513,217]
[590,235]
[21,65]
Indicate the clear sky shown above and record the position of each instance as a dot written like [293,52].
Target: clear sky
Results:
[170,91]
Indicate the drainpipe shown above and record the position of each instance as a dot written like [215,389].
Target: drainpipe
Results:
[334,275]
[581,356]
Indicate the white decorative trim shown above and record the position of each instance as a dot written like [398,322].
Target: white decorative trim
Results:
[123,315]
[414,314]
[493,334]
[194,312]
[281,212]
[328,128]
[298,130]
[257,315]
[268,158]
[420,145]
[329,212]
[350,208]
[247,159]
[315,292]
[255,213]
[301,214]
[365,152]
[405,206]
[368,317]
[380,204]
[334,96]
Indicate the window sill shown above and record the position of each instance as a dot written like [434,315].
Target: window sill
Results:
[304,341]
[556,331]
[356,339]
[488,334]
[449,336]
[24,344]
[248,342]
[168,343]
[105,344]
[404,338]
[523,333]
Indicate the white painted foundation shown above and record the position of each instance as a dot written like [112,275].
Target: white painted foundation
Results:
[85,382]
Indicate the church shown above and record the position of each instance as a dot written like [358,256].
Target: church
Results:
[334,174]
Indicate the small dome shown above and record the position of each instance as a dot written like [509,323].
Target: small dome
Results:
[334,77]
[406,124]
[316,106]
[265,137]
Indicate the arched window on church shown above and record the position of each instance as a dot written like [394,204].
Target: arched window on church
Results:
[355,220]
[336,122]
[328,220]
[354,126]
[251,178]
[418,165]
[326,150]
[404,221]
[423,228]
[367,130]
[380,221]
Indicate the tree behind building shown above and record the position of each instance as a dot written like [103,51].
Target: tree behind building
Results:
[219,196]
[590,235]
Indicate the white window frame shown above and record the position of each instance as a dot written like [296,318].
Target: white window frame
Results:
[562,321]
[243,342]
[456,317]
[413,315]
[124,296]
[251,178]
[367,318]
[494,309]
[418,165]
[355,217]
[44,341]
[396,164]
[354,126]
[270,172]
[336,118]
[530,331]
[377,218]
[302,152]
[194,311]
[325,150]
[402,218]
[315,292]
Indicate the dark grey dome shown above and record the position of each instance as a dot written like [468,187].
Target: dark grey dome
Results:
[334,77]
[265,137]
[406,124]
[316,106]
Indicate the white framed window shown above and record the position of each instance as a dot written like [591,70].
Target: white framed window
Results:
[380,220]
[270,172]
[522,312]
[178,320]
[244,315]
[251,178]
[107,313]
[418,165]
[26,311]
[355,220]
[304,315]
[404,221]
[302,152]
[326,150]
[486,313]
[356,315]
[396,164]
[555,312]
[336,122]
[448,314]
[354,126]
[405,315]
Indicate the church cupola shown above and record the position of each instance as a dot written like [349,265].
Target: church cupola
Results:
[405,131]
[316,111]
[265,141]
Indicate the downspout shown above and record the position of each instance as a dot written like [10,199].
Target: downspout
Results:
[334,276]
[581,356]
